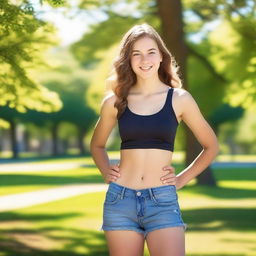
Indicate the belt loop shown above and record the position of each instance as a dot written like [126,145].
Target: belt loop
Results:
[122,193]
[151,193]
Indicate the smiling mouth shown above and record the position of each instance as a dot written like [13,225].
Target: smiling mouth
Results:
[146,68]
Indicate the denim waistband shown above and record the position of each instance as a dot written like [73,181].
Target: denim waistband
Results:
[146,192]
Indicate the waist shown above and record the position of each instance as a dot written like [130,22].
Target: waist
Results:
[140,181]
[140,168]
[141,158]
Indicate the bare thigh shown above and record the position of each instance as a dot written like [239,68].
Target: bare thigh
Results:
[166,242]
[125,243]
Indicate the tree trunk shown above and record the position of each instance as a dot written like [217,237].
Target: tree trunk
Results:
[65,146]
[81,134]
[1,139]
[41,144]
[170,13]
[14,144]
[27,140]
[55,150]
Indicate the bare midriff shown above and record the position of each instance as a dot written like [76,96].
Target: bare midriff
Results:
[143,168]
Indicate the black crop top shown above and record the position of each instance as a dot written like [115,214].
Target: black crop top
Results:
[149,131]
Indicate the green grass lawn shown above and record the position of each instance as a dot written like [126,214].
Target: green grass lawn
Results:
[24,181]
[221,220]
[11,183]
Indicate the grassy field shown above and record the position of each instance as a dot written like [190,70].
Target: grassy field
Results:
[11,183]
[221,220]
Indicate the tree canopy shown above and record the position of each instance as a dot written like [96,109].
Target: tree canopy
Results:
[23,39]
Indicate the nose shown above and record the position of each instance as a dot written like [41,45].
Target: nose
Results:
[144,59]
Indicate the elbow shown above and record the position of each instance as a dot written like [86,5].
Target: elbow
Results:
[93,146]
[214,147]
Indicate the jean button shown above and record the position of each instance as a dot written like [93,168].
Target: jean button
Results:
[138,193]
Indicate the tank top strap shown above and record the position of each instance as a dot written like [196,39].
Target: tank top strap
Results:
[168,102]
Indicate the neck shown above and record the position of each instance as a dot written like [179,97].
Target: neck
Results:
[148,86]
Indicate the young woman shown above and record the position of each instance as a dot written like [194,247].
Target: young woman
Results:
[148,104]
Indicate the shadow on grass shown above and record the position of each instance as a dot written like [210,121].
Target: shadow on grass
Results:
[220,192]
[219,254]
[238,174]
[42,158]
[13,216]
[30,179]
[230,174]
[216,219]
[84,241]
[20,240]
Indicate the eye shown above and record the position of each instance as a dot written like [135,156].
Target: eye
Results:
[135,54]
[152,53]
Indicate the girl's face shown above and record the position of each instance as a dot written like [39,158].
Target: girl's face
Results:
[145,58]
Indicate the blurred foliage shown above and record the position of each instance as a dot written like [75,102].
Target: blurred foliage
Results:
[65,77]
[97,79]
[75,110]
[101,37]
[23,38]
[203,83]
[235,58]
[122,7]
[246,136]
[232,47]
[65,70]
[238,136]
[54,3]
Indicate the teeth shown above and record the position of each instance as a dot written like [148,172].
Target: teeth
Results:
[146,68]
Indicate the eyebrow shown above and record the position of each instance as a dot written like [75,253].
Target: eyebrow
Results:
[148,50]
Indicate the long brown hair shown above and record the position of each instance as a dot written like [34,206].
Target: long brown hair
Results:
[123,77]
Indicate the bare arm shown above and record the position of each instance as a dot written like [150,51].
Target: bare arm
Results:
[102,130]
[193,118]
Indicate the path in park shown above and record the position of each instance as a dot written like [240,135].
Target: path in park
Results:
[26,199]
[40,167]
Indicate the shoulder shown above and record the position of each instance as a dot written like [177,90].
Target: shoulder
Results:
[183,101]
[107,104]
[183,96]
[180,92]
[109,98]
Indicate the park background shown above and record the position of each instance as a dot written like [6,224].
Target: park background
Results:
[55,58]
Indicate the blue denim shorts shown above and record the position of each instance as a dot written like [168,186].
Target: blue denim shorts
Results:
[141,210]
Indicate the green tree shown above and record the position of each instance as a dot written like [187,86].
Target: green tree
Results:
[11,116]
[75,110]
[23,38]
